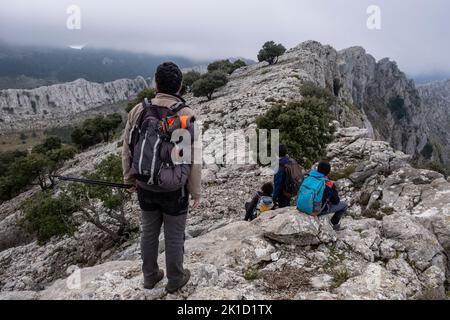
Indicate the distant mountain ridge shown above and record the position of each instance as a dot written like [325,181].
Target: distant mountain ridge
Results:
[59,104]
[31,67]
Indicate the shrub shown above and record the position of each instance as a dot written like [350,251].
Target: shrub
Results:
[189,78]
[433,166]
[427,151]
[336,87]
[339,277]
[8,188]
[13,177]
[310,89]
[397,107]
[270,52]
[226,66]
[63,133]
[209,83]
[46,216]
[304,128]
[23,136]
[85,136]
[35,166]
[251,275]
[6,158]
[50,143]
[148,93]
[110,216]
[62,154]
[96,130]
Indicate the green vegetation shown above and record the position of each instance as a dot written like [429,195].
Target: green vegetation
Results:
[397,107]
[20,170]
[46,216]
[427,151]
[304,127]
[226,66]
[64,133]
[432,165]
[339,277]
[387,210]
[251,275]
[310,89]
[148,93]
[7,158]
[189,78]
[338,175]
[270,52]
[96,130]
[23,136]
[209,83]
[336,87]
[87,198]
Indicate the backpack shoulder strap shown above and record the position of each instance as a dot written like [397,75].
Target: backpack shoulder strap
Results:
[177,107]
[146,104]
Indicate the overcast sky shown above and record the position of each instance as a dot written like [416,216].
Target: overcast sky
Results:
[415,33]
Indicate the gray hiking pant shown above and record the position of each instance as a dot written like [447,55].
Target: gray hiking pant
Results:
[174,227]
[339,211]
[170,210]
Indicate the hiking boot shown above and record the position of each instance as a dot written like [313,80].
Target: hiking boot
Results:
[150,283]
[338,227]
[171,288]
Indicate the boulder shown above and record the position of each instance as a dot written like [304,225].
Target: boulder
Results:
[290,226]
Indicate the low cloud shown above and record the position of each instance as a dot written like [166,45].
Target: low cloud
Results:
[414,33]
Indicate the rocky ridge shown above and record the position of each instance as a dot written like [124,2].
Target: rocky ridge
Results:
[396,244]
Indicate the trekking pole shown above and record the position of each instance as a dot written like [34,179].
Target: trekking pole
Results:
[100,183]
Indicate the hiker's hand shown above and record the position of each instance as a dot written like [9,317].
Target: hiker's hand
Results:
[133,189]
[196,203]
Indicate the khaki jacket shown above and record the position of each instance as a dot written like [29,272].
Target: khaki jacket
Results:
[163,100]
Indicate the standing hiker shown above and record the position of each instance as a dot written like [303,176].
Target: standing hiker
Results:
[287,180]
[163,185]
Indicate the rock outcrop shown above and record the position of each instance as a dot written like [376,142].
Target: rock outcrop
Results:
[366,93]
[395,244]
[436,110]
[60,104]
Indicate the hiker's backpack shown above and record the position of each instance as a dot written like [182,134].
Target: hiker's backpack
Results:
[152,147]
[293,178]
[310,195]
[264,204]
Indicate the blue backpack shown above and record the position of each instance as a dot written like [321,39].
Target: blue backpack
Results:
[310,195]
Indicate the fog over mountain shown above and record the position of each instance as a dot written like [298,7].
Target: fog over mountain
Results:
[30,66]
[414,33]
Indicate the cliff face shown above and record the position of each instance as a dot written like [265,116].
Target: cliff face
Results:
[375,95]
[59,104]
[436,110]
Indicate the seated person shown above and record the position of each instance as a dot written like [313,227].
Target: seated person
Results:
[261,202]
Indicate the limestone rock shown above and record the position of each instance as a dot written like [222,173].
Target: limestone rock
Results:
[61,104]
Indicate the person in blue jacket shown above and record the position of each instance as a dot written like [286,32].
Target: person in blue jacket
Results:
[331,203]
[279,197]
